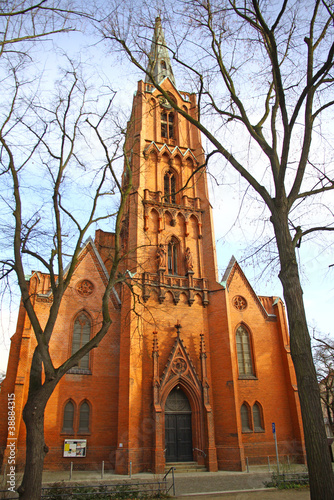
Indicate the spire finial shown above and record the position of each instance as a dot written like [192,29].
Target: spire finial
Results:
[159,64]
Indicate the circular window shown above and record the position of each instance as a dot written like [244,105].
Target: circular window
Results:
[239,303]
[85,288]
[179,366]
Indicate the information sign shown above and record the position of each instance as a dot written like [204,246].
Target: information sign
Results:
[75,447]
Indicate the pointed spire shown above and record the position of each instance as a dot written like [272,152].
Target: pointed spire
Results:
[159,62]
[178,327]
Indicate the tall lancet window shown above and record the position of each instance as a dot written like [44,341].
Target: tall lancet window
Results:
[172,256]
[171,125]
[68,417]
[257,418]
[170,187]
[167,125]
[81,335]
[84,417]
[244,352]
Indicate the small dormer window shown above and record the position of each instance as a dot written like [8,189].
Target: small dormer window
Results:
[163,65]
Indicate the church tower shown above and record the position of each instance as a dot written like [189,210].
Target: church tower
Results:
[168,237]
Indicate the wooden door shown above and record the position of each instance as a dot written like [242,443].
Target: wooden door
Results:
[178,437]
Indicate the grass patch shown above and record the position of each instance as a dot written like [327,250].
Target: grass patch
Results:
[287,481]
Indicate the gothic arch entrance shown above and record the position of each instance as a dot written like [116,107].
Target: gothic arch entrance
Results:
[178,434]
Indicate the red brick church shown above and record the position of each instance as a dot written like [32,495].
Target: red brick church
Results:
[199,369]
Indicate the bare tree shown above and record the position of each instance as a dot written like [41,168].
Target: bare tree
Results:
[32,229]
[45,138]
[24,22]
[263,73]
[58,136]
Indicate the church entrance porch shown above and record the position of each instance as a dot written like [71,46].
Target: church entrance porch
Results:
[184,429]
[178,434]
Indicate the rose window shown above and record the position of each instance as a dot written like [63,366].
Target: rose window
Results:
[85,288]
[239,303]
[179,366]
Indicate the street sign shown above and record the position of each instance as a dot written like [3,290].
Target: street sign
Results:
[274,433]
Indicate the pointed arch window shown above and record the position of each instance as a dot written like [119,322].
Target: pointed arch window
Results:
[257,418]
[170,187]
[172,256]
[81,335]
[68,417]
[244,352]
[245,420]
[167,125]
[84,415]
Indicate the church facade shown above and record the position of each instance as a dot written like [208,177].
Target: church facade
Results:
[192,369]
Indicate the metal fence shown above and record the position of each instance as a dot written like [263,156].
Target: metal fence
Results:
[122,490]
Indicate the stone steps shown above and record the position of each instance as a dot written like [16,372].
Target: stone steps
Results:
[180,467]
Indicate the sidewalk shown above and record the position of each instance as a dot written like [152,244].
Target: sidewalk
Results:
[269,494]
[197,486]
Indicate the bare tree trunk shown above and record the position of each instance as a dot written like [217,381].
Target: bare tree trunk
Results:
[318,456]
[36,450]
[33,416]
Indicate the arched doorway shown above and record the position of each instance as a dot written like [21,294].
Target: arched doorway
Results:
[178,436]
